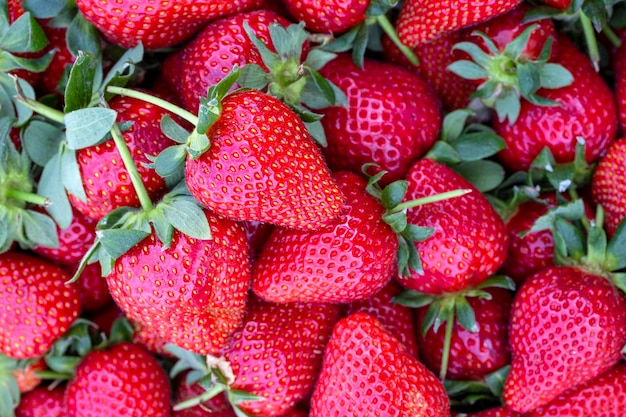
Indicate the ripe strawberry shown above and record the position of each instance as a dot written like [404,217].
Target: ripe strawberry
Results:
[106,181]
[586,110]
[473,355]
[422,20]
[366,371]
[192,294]
[603,396]
[121,380]
[38,307]
[156,24]
[567,327]
[350,259]
[393,117]
[619,67]
[559,4]
[492,412]
[43,401]
[608,185]
[49,81]
[469,241]
[92,288]
[334,16]
[263,166]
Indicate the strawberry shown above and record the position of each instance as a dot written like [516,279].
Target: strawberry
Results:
[193,293]
[43,401]
[334,16]
[392,119]
[608,185]
[350,259]
[603,396]
[38,306]
[469,241]
[422,20]
[121,380]
[26,377]
[92,288]
[586,110]
[156,24]
[567,327]
[262,165]
[473,354]
[48,83]
[366,371]
[492,412]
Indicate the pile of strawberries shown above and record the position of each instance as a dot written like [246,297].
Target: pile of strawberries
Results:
[273,208]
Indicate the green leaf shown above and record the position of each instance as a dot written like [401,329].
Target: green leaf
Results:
[397,221]
[40,229]
[616,249]
[479,145]
[393,194]
[9,62]
[465,314]
[123,69]
[344,43]
[83,36]
[507,106]
[480,59]
[443,152]
[88,127]
[495,380]
[499,281]
[45,9]
[619,279]
[596,246]
[70,171]
[270,59]
[413,299]
[360,45]
[431,316]
[117,242]
[41,140]
[516,47]
[454,124]
[555,76]
[468,70]
[24,35]
[80,84]
[571,237]
[415,233]
[570,211]
[51,186]
[317,58]
[485,175]
[253,76]
[316,130]
[173,130]
[529,78]
[188,217]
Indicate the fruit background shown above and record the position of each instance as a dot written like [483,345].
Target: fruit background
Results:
[312,208]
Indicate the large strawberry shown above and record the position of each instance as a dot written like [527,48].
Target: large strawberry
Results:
[120,380]
[38,306]
[393,117]
[366,371]
[567,327]
[156,24]
[469,241]
[335,16]
[609,185]
[422,20]
[193,293]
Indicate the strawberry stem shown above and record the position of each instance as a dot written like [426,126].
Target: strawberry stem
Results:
[430,199]
[389,30]
[27,197]
[40,108]
[148,98]
[590,38]
[447,341]
[611,36]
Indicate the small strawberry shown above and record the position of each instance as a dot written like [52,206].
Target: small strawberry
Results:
[156,24]
[121,380]
[608,185]
[43,401]
[38,305]
[366,371]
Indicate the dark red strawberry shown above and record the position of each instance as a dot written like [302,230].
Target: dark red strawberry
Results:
[192,294]
[92,288]
[49,81]
[334,16]
[121,380]
[469,241]
[367,371]
[393,117]
[38,306]
[608,185]
[492,412]
[43,401]
[156,24]
[567,327]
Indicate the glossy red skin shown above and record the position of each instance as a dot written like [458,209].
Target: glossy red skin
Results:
[192,294]
[150,340]
[604,396]
[276,177]
[469,243]
[106,181]
[336,16]
[567,327]
[397,319]
[350,259]
[222,44]
[37,306]
[42,402]
[492,412]
[156,24]
[608,185]
[587,110]
[393,117]
[473,355]
[92,288]
[559,4]
[368,372]
[422,20]
[619,67]
[257,234]
[121,380]
[435,56]
[74,241]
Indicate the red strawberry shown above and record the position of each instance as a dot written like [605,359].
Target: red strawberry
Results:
[26,376]
[263,166]
[559,4]
[473,355]
[604,396]
[121,380]
[469,241]
[492,412]
[192,294]
[92,288]
[156,24]
[49,80]
[43,401]
[567,327]
[619,67]
[106,181]
[422,20]
[368,372]
[586,110]
[608,185]
[350,259]
[334,16]
[38,307]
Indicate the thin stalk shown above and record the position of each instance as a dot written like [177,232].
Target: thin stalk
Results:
[40,108]
[430,199]
[28,197]
[590,39]
[447,341]
[388,28]
[148,98]
[611,36]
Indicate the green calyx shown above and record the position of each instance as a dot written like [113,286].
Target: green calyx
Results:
[9,391]
[508,75]
[487,391]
